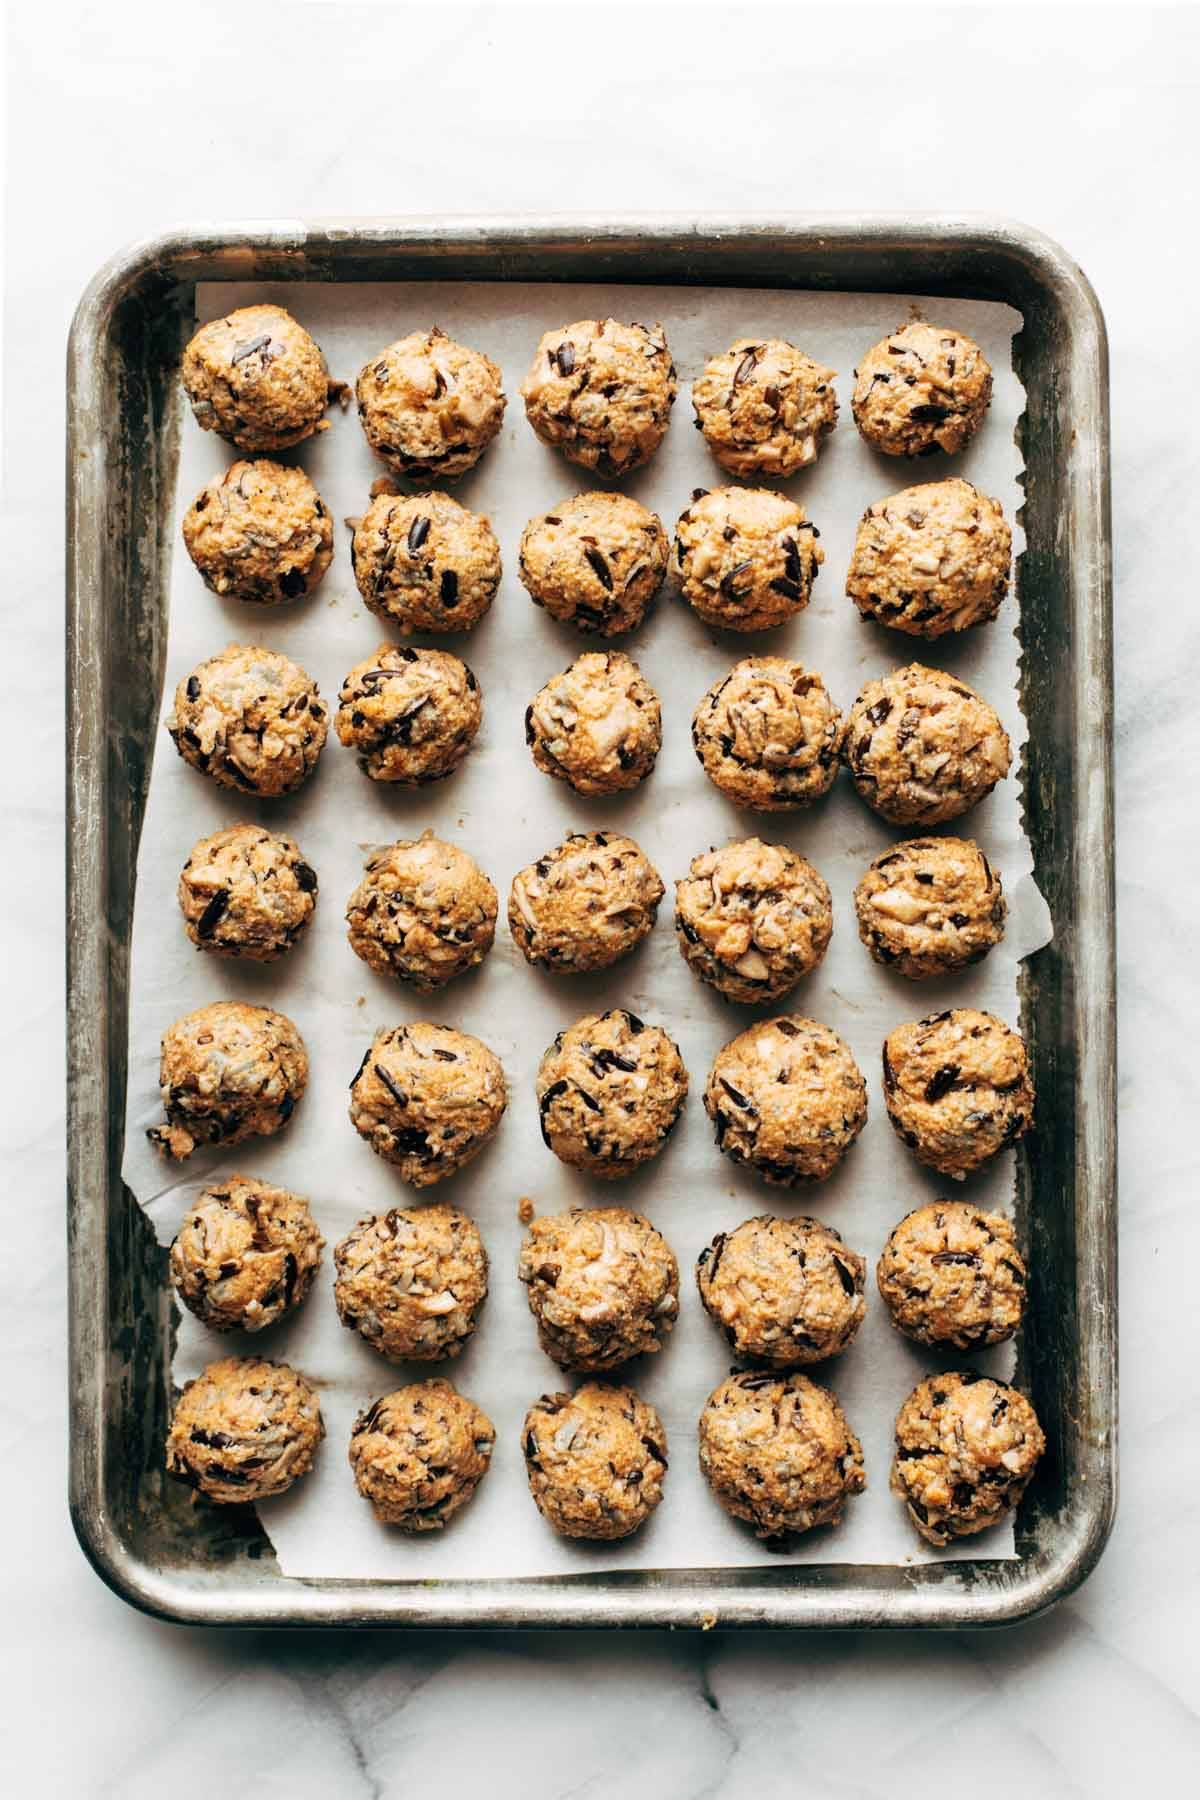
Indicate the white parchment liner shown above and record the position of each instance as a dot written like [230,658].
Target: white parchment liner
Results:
[505,813]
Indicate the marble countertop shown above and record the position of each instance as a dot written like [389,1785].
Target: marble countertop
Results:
[1082,121]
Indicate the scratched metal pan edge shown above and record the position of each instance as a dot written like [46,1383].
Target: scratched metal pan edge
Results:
[137,1528]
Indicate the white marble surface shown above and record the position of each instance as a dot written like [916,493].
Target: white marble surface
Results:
[125,117]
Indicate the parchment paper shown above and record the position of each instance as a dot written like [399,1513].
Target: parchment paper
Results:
[506,813]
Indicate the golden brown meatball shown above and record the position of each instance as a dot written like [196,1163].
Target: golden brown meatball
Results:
[228,1072]
[966,1449]
[787,1099]
[957,1088]
[764,407]
[257,379]
[595,1460]
[429,406]
[923,389]
[418,1454]
[244,1430]
[776,1451]
[602,393]
[602,1284]
[951,1274]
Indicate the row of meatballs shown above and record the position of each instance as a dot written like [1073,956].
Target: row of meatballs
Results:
[602,1282]
[751,918]
[921,746]
[927,561]
[776,1450]
[598,391]
[786,1097]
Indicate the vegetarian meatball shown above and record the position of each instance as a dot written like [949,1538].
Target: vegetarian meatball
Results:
[610,1091]
[427,1099]
[784,1291]
[957,1088]
[931,560]
[923,389]
[423,912]
[787,1099]
[429,406]
[597,726]
[752,919]
[764,407]
[259,532]
[411,715]
[257,379]
[245,1255]
[768,735]
[418,1454]
[951,1274]
[746,557]
[602,1284]
[602,393]
[585,904]
[244,1430]
[228,1072]
[923,747]
[595,1460]
[776,1451]
[596,562]
[424,563]
[930,906]
[411,1282]
[251,719]
[246,892]
[966,1449]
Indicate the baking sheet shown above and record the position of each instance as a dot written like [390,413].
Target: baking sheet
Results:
[505,813]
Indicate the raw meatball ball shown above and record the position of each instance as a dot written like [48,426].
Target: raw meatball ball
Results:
[246,892]
[427,1099]
[747,558]
[923,389]
[243,1430]
[768,735]
[787,1099]
[412,1281]
[922,747]
[245,1255]
[776,1451]
[603,1286]
[424,563]
[752,918]
[430,407]
[250,718]
[784,1291]
[260,532]
[950,1274]
[595,1460]
[957,1088]
[610,1091]
[227,1073]
[595,562]
[930,906]
[423,912]
[257,379]
[585,904]
[931,559]
[966,1447]
[764,407]
[419,1454]
[602,393]
[412,715]
[597,726]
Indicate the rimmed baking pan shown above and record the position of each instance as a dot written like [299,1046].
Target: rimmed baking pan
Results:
[141,1531]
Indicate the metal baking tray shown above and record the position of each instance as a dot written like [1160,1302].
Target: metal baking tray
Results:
[139,1529]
